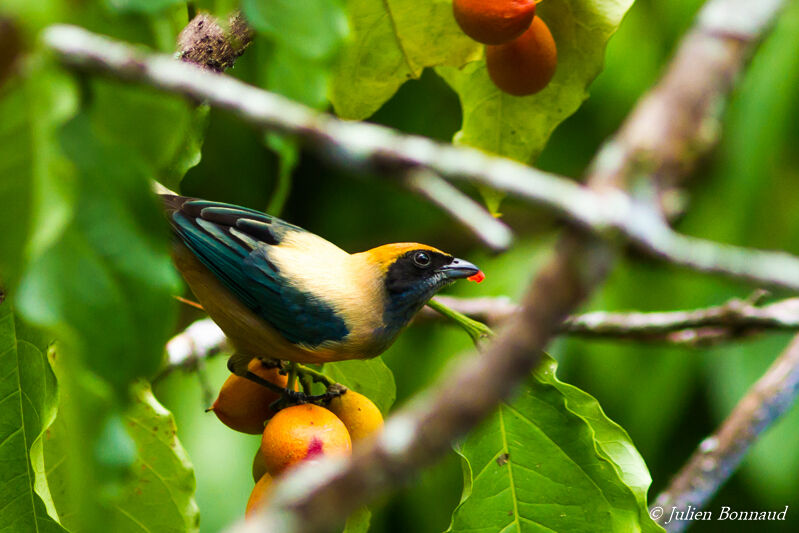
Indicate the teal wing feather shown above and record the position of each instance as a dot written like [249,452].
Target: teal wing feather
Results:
[234,243]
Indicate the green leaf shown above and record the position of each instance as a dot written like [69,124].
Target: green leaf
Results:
[142,6]
[105,287]
[165,132]
[358,522]
[16,187]
[552,461]
[28,389]
[159,493]
[34,188]
[288,151]
[370,377]
[392,42]
[519,127]
[312,29]
[293,76]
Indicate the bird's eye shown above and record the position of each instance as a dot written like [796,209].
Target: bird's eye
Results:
[421,259]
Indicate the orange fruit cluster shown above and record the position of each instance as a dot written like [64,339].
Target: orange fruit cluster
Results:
[521,55]
[295,434]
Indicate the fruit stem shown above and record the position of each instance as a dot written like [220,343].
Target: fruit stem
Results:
[292,375]
[315,375]
[307,383]
[476,330]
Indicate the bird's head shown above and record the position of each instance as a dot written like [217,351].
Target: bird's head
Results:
[413,273]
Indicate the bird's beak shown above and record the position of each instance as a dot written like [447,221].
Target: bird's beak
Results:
[458,269]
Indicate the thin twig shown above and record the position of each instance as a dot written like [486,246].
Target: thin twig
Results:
[734,319]
[201,340]
[606,211]
[476,330]
[719,455]
[491,231]
[731,320]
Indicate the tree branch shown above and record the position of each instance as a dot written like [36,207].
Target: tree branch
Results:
[473,216]
[719,455]
[206,43]
[734,319]
[606,211]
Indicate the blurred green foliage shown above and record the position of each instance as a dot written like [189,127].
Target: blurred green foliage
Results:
[666,398]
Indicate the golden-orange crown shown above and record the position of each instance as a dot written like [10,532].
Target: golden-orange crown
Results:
[388,253]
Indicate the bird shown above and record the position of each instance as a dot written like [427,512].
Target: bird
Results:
[278,291]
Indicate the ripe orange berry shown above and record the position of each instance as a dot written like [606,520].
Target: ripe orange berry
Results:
[526,65]
[258,494]
[359,414]
[243,405]
[258,466]
[493,21]
[302,432]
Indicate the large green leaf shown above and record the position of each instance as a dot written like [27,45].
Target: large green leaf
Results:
[34,186]
[105,287]
[392,42]
[27,408]
[370,377]
[519,127]
[164,132]
[159,494]
[313,29]
[552,461]
[16,169]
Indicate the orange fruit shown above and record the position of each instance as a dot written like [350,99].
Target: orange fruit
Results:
[526,65]
[300,433]
[258,494]
[243,405]
[493,21]
[359,414]
[258,466]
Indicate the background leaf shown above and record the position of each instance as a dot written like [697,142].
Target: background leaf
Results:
[27,408]
[35,185]
[358,522]
[392,42]
[159,493]
[102,282]
[163,132]
[313,29]
[552,460]
[370,377]
[519,127]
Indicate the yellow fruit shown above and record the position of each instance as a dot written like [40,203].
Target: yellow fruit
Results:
[258,494]
[493,21]
[359,414]
[243,405]
[526,65]
[302,432]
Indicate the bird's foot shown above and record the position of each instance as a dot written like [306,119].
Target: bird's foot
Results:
[292,397]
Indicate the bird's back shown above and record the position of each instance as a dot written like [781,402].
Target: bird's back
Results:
[321,301]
